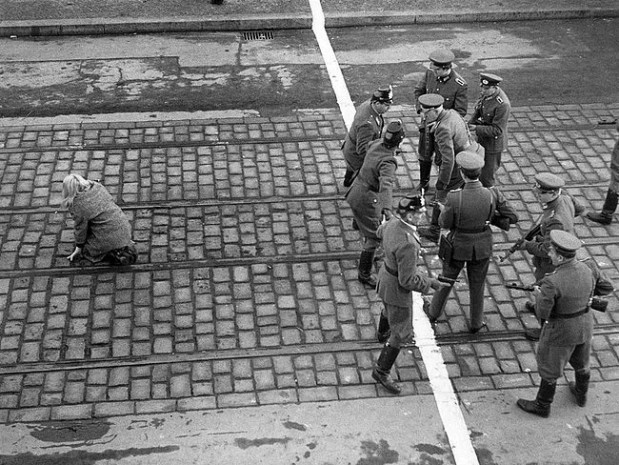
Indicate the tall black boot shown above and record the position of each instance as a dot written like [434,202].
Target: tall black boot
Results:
[425,171]
[432,232]
[610,205]
[348,177]
[383,368]
[541,405]
[580,388]
[366,260]
[384,331]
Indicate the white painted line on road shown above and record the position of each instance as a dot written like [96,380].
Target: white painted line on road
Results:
[444,395]
[333,67]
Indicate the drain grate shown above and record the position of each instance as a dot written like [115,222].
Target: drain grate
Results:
[257,35]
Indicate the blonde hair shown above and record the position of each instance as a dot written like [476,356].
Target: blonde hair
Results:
[71,186]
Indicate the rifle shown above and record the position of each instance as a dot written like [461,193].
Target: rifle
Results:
[521,287]
[595,303]
[527,237]
[450,281]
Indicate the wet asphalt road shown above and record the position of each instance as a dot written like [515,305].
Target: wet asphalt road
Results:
[543,62]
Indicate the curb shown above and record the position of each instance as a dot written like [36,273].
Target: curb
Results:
[95,26]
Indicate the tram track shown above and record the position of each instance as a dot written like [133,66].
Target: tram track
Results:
[22,368]
[32,147]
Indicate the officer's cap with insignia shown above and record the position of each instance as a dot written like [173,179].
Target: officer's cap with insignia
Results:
[442,57]
[488,79]
[469,161]
[548,182]
[383,94]
[564,243]
[431,100]
[411,203]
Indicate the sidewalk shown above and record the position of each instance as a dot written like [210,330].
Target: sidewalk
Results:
[35,17]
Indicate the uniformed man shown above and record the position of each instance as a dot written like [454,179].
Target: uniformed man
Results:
[612,195]
[562,302]
[367,126]
[489,124]
[397,278]
[440,79]
[451,137]
[467,215]
[370,196]
[558,212]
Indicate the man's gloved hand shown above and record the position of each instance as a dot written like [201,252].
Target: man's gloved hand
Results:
[436,284]
[523,246]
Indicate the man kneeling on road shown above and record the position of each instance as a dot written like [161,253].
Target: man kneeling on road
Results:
[397,278]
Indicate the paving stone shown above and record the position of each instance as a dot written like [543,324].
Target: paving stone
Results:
[155,406]
[317,394]
[111,409]
[236,400]
[30,414]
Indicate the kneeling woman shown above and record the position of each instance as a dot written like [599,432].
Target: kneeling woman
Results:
[102,231]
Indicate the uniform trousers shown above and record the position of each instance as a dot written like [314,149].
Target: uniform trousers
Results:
[492,162]
[476,271]
[552,359]
[401,324]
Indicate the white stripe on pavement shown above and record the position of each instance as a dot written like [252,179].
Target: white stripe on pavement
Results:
[333,67]
[444,395]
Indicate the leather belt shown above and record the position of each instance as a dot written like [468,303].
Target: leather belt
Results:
[567,316]
[472,231]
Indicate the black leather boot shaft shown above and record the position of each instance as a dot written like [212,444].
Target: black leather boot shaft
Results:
[366,261]
[580,388]
[541,405]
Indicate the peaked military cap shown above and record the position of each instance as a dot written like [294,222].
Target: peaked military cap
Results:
[488,79]
[431,100]
[469,160]
[548,182]
[383,94]
[565,244]
[442,57]
[411,203]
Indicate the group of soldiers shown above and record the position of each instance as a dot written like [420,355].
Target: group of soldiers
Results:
[465,204]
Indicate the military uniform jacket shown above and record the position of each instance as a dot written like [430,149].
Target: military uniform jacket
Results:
[467,215]
[372,189]
[558,214]
[566,291]
[451,137]
[367,126]
[490,116]
[614,169]
[401,245]
[453,88]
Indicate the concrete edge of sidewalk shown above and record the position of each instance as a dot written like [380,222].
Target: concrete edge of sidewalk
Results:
[93,26]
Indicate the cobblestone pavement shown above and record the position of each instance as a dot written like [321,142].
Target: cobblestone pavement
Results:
[245,292]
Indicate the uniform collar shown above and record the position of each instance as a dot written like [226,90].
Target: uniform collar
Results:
[493,95]
[411,229]
[551,204]
[446,78]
